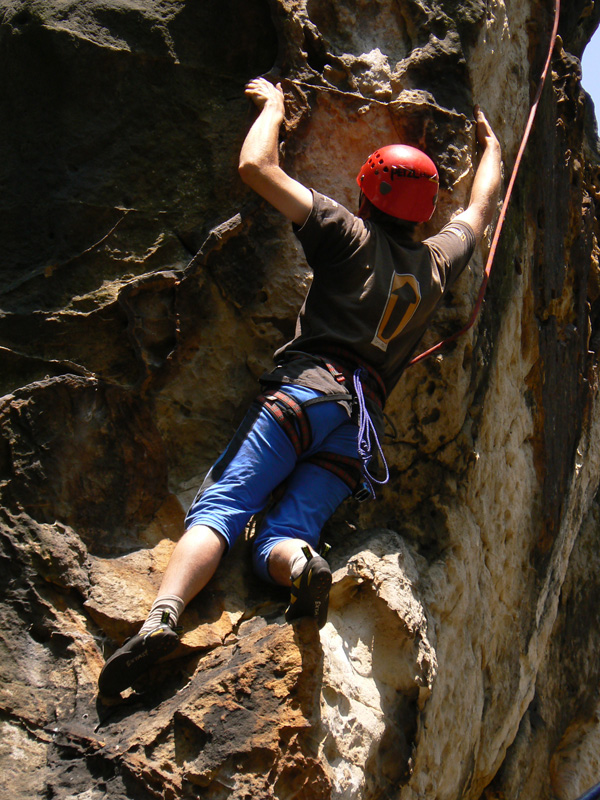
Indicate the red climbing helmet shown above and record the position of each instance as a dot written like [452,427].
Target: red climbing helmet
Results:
[401,181]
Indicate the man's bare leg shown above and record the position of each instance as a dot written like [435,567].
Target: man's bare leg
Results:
[282,557]
[193,562]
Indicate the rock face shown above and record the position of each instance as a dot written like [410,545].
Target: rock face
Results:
[143,290]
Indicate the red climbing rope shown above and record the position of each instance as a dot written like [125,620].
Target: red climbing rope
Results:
[513,177]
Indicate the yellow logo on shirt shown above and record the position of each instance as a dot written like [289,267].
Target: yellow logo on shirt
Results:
[403,300]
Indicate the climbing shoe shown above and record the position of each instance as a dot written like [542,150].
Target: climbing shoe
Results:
[310,591]
[135,657]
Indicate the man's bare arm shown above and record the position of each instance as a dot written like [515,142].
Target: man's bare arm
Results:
[259,157]
[488,178]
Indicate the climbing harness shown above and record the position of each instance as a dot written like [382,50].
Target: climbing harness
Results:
[290,414]
[341,364]
[294,420]
[346,468]
[503,210]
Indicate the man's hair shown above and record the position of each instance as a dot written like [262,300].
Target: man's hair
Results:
[401,226]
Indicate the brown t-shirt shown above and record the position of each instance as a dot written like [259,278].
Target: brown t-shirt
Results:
[373,293]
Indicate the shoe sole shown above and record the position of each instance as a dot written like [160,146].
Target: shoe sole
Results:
[316,600]
[319,588]
[125,666]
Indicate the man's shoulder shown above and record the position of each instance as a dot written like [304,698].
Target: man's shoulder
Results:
[451,249]
[329,219]
[455,228]
[326,207]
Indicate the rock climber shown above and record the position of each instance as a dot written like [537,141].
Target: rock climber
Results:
[317,425]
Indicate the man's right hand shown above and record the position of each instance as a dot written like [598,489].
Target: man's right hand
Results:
[259,158]
[262,92]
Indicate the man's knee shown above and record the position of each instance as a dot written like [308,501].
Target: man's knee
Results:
[261,553]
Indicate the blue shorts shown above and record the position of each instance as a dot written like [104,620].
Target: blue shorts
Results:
[259,458]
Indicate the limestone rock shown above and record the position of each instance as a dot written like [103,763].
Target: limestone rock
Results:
[143,290]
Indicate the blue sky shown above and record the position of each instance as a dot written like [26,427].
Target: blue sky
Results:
[590,64]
